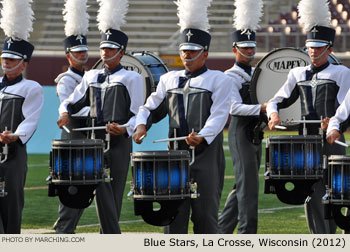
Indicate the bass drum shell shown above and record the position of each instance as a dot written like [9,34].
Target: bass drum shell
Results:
[147,64]
[271,73]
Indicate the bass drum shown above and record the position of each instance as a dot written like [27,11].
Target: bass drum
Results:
[271,72]
[146,63]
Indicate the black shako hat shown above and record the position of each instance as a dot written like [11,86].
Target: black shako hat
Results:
[320,36]
[194,39]
[114,39]
[75,43]
[243,38]
[17,49]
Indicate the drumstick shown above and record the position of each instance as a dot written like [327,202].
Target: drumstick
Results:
[341,143]
[17,134]
[66,129]
[99,127]
[304,121]
[180,138]
[280,127]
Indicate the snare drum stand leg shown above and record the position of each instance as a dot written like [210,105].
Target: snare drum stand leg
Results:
[321,133]
[93,131]
[175,142]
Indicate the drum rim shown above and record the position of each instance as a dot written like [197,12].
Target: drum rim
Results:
[296,137]
[161,153]
[77,142]
[338,157]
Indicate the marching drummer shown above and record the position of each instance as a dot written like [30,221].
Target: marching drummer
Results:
[114,95]
[195,99]
[21,101]
[245,130]
[75,45]
[321,87]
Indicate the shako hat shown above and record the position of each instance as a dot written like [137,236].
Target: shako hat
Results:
[315,17]
[17,22]
[246,21]
[111,16]
[77,24]
[194,24]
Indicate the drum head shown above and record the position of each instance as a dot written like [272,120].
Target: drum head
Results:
[147,64]
[271,73]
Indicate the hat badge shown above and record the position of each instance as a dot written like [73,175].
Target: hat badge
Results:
[314,30]
[248,33]
[189,35]
[9,42]
[108,33]
[79,37]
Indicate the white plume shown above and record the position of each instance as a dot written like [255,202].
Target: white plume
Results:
[17,18]
[76,17]
[111,14]
[193,14]
[247,14]
[314,12]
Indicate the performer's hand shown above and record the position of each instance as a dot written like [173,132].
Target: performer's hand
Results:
[140,133]
[274,120]
[324,123]
[112,128]
[191,140]
[263,107]
[6,139]
[332,136]
[63,120]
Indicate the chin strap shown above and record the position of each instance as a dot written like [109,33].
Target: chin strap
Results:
[78,60]
[319,56]
[193,59]
[244,55]
[113,57]
[13,68]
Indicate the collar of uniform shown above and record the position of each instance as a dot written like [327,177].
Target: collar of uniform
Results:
[74,70]
[246,68]
[14,81]
[114,70]
[320,68]
[189,74]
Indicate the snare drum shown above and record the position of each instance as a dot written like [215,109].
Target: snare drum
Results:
[339,179]
[161,175]
[77,161]
[295,157]
[149,65]
[337,196]
[295,160]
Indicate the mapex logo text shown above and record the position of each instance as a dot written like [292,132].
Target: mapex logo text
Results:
[131,67]
[284,64]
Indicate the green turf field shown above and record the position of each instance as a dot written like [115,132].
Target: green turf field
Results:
[40,211]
